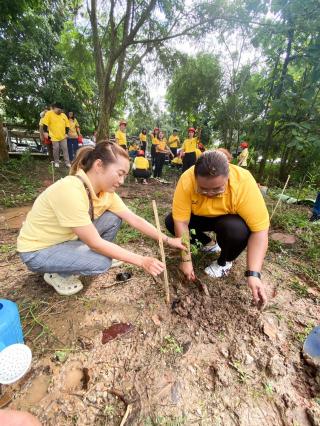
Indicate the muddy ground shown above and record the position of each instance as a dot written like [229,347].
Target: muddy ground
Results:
[203,360]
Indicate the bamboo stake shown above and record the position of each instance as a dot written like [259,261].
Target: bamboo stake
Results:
[284,188]
[52,169]
[163,256]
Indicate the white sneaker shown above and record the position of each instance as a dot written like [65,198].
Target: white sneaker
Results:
[64,286]
[215,248]
[216,271]
[56,165]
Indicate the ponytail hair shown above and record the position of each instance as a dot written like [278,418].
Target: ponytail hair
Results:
[107,152]
[212,163]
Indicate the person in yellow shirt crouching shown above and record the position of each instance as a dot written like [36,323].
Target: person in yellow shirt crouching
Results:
[121,137]
[56,126]
[217,196]
[174,142]
[71,226]
[140,168]
[188,150]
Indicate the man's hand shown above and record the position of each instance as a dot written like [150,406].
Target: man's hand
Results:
[187,269]
[176,243]
[152,266]
[258,292]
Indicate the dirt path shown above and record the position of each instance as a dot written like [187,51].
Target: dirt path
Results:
[205,360]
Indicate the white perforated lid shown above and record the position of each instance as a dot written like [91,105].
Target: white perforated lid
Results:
[15,361]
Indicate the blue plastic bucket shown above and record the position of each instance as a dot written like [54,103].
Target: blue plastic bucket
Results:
[10,325]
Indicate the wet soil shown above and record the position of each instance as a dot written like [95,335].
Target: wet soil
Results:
[204,360]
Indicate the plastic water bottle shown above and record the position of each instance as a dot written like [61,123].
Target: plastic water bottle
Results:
[10,325]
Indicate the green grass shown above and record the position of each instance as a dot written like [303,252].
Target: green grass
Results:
[300,289]
[165,421]
[301,336]
[170,345]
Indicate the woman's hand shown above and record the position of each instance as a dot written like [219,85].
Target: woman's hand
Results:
[258,292]
[176,243]
[187,269]
[152,266]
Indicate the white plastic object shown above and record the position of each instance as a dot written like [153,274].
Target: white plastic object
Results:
[15,361]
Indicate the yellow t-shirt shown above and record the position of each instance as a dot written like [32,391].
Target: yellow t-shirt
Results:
[73,124]
[174,141]
[161,146]
[143,137]
[62,206]
[141,163]
[154,140]
[41,121]
[133,148]
[242,196]
[190,145]
[121,137]
[57,124]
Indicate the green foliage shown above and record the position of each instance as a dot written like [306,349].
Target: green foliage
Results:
[170,345]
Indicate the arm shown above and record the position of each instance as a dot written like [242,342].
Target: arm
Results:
[256,250]
[146,228]
[90,236]
[181,229]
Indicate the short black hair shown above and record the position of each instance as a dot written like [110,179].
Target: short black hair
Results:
[57,105]
[212,163]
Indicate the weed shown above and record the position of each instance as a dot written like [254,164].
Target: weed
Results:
[243,376]
[126,234]
[165,421]
[268,388]
[109,411]
[7,248]
[298,288]
[301,337]
[170,345]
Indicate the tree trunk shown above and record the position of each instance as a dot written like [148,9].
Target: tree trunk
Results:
[3,147]
[278,93]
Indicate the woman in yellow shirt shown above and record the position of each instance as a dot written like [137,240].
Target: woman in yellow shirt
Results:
[143,140]
[71,226]
[221,197]
[154,143]
[174,142]
[161,151]
[140,168]
[188,150]
[73,134]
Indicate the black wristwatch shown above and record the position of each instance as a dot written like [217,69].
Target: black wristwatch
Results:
[252,274]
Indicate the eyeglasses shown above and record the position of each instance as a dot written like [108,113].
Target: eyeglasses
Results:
[217,191]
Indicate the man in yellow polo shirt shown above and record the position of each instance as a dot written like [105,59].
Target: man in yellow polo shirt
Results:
[188,150]
[121,137]
[217,196]
[174,142]
[56,126]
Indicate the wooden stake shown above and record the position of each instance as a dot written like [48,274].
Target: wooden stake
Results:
[52,168]
[284,188]
[163,256]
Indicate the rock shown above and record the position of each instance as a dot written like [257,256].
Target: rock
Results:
[270,326]
[283,238]
[156,319]
[92,398]
[276,366]
[249,359]
[221,375]
[313,414]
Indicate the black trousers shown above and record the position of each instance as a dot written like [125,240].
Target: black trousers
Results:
[159,162]
[188,161]
[174,151]
[141,173]
[231,230]
[144,147]
[153,154]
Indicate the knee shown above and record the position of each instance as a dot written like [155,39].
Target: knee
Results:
[235,229]
[18,418]
[169,223]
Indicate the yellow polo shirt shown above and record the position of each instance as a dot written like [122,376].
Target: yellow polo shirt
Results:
[142,137]
[154,140]
[174,141]
[243,157]
[121,138]
[62,206]
[141,163]
[190,145]
[161,146]
[73,124]
[57,124]
[242,196]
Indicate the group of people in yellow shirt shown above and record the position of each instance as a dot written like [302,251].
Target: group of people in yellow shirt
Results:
[70,229]
[59,132]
